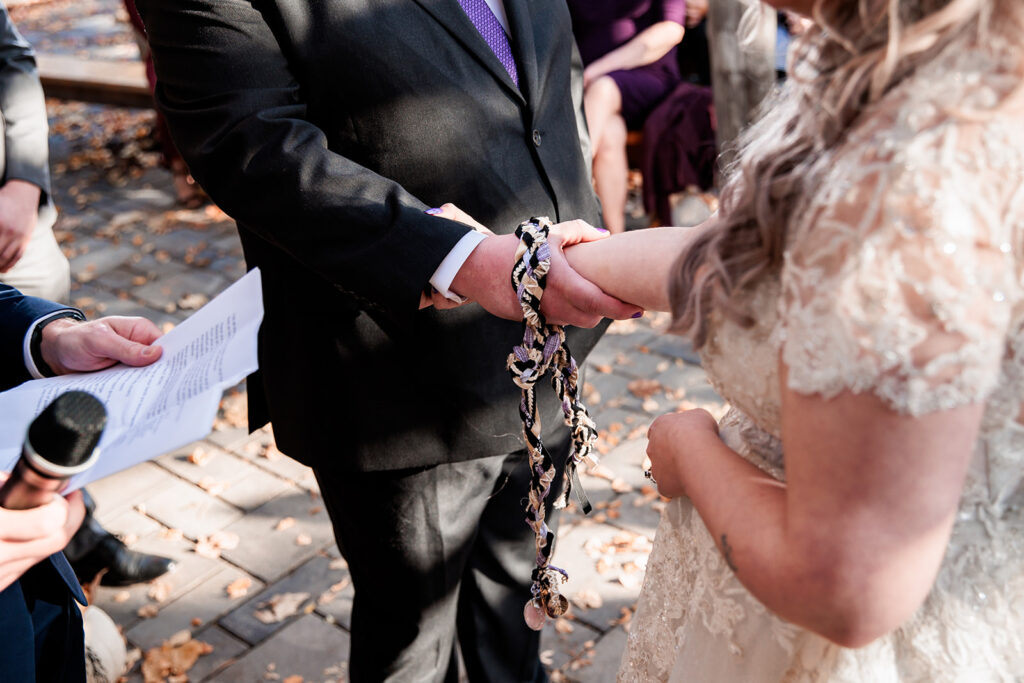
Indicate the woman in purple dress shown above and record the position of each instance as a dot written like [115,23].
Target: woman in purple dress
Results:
[628,48]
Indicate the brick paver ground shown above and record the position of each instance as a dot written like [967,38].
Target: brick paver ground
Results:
[259,578]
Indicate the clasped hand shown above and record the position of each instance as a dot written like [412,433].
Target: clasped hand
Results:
[668,440]
[19,206]
[569,298]
[28,536]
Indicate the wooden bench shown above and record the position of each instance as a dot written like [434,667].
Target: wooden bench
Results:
[119,83]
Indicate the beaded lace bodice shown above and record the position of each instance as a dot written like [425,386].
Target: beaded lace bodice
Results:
[902,277]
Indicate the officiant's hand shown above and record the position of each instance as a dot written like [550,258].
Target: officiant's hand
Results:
[73,346]
[28,536]
[669,439]
[569,298]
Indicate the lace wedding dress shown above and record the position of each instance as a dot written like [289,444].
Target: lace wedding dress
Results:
[903,277]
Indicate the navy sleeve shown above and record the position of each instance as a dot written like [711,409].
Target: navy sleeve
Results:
[17,313]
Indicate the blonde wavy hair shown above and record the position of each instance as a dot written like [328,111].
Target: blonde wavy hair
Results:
[857,52]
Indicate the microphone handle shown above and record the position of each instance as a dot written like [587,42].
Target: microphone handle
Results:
[27,488]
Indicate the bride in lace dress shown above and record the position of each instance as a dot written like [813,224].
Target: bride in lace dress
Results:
[858,515]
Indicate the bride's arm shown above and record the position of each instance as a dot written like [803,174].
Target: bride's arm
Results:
[633,266]
[850,545]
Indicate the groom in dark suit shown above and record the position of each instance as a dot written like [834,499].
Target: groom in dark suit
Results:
[327,129]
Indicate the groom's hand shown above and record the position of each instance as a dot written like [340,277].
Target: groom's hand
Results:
[569,298]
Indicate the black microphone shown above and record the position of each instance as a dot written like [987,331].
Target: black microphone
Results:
[60,443]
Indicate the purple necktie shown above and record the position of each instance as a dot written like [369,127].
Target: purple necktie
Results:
[490,28]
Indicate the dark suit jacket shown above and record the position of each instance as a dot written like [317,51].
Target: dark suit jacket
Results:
[40,622]
[325,128]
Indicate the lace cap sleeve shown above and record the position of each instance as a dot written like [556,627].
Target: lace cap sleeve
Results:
[901,276]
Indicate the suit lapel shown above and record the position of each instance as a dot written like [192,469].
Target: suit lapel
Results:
[521,23]
[449,13]
[60,563]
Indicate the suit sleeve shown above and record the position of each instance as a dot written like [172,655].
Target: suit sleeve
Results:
[239,119]
[17,313]
[24,111]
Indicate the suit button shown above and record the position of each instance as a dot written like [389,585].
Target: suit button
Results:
[536,138]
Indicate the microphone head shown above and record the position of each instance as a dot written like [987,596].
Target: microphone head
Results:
[67,431]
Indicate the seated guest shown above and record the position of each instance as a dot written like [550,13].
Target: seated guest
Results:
[628,49]
[39,617]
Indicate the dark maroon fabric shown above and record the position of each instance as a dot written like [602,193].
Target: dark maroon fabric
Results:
[679,147]
[163,134]
[601,26]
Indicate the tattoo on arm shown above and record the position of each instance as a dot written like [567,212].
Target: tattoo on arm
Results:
[727,554]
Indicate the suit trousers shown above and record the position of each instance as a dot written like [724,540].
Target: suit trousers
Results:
[441,558]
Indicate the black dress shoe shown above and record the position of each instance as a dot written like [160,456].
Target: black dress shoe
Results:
[93,549]
[124,567]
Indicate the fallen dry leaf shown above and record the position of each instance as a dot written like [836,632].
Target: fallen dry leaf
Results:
[212,486]
[191,302]
[212,545]
[644,388]
[588,599]
[239,587]
[293,679]
[280,607]
[200,456]
[174,658]
[225,539]
[619,485]
[159,591]
[626,615]
[631,581]
[564,626]
[122,596]
[285,523]
[303,539]
[148,611]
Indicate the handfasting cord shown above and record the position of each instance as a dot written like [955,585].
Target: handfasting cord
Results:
[544,348]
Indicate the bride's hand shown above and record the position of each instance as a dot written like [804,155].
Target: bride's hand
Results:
[668,440]
[454,213]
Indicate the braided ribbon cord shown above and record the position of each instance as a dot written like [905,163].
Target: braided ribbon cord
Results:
[543,349]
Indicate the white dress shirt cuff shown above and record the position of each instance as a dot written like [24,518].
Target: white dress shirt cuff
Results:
[30,364]
[442,278]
